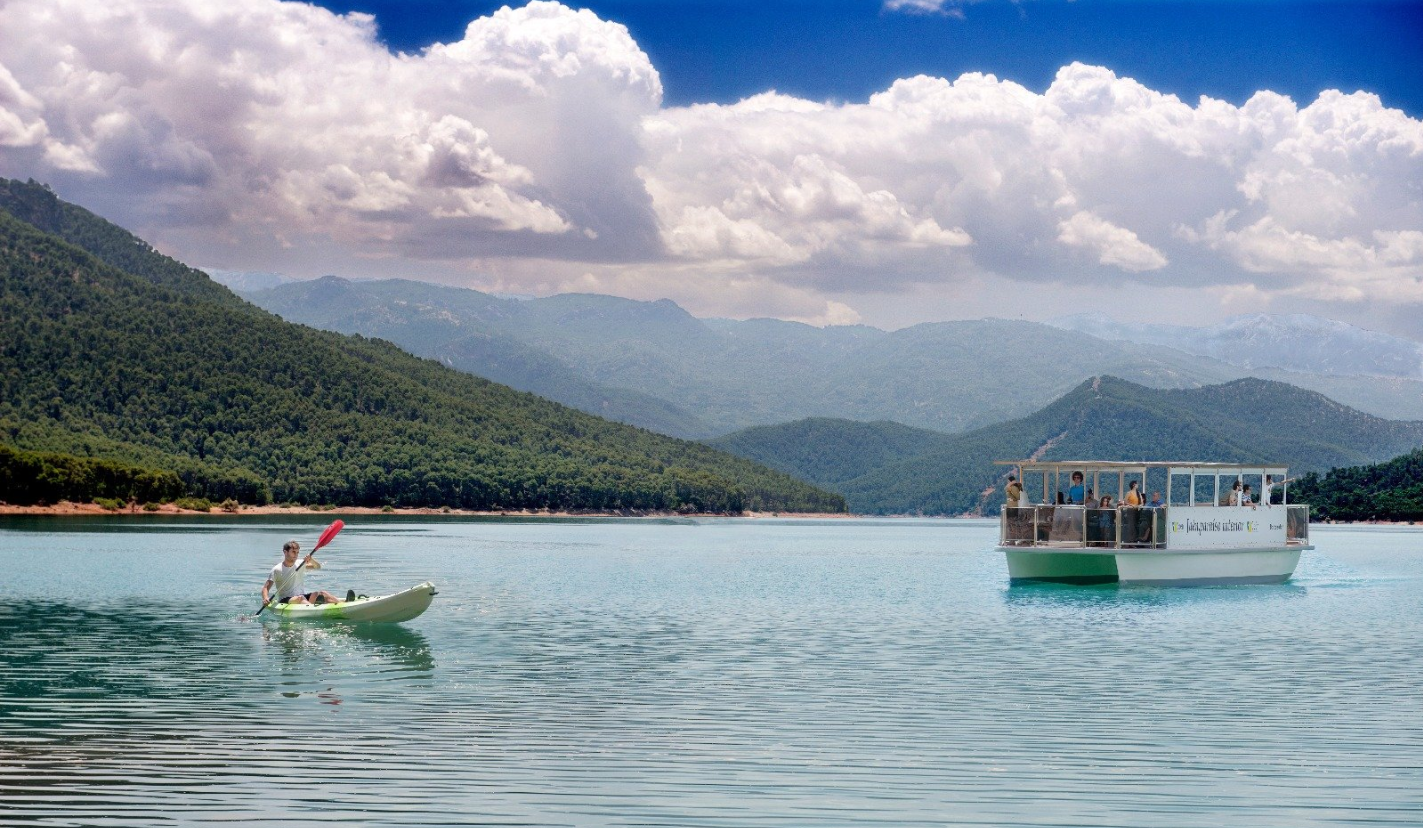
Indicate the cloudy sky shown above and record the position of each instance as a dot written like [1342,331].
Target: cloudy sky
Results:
[881,162]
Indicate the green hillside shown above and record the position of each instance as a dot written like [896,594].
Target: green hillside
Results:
[116,352]
[1247,420]
[830,452]
[1385,491]
[36,205]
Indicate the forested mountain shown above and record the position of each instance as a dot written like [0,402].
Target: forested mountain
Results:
[110,350]
[830,452]
[1385,491]
[653,364]
[1246,420]
[35,205]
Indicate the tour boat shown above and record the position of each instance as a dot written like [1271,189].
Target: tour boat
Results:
[1204,532]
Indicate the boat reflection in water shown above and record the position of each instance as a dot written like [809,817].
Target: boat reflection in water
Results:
[1206,530]
[398,648]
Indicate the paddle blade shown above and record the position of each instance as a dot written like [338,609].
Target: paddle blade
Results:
[336,526]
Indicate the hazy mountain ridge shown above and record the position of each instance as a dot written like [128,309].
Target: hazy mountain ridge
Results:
[1295,342]
[653,364]
[1247,420]
[240,280]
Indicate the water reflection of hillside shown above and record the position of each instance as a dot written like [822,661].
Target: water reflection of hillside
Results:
[143,649]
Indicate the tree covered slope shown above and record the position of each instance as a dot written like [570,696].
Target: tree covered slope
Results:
[115,351]
[1392,490]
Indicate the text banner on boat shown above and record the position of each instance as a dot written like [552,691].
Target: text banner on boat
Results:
[1225,527]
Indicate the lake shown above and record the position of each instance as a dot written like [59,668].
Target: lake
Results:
[708,673]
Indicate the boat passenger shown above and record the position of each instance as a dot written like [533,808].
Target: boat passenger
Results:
[1245,497]
[1156,501]
[1014,492]
[287,578]
[1075,491]
[1233,499]
[1102,523]
[1267,491]
[1133,496]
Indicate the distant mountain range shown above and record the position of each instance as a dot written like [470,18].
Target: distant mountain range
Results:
[655,365]
[246,279]
[1295,342]
[889,468]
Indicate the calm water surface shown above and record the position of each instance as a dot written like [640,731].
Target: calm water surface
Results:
[721,673]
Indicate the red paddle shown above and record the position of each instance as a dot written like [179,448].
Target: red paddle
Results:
[336,526]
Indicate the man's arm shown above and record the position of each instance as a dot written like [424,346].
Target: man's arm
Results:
[265,588]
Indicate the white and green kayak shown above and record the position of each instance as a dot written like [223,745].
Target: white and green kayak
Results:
[402,606]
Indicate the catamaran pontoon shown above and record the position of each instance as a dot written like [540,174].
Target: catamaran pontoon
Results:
[1203,533]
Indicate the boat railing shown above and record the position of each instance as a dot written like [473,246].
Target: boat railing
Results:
[1297,524]
[1076,527]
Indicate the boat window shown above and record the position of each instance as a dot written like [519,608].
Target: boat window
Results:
[1214,491]
[1180,490]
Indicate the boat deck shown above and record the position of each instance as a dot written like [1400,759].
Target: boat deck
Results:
[1123,527]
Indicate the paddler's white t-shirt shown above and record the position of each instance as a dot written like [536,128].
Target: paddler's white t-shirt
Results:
[288,579]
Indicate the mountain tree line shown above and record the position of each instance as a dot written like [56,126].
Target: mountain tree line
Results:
[1383,491]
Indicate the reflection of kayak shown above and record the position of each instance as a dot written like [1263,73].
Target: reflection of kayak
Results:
[402,606]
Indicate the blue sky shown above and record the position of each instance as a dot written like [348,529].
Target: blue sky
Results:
[710,51]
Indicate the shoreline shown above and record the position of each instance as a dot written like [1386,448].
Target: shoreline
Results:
[70,509]
[67,508]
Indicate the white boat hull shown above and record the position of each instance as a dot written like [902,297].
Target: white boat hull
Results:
[1245,566]
[1155,567]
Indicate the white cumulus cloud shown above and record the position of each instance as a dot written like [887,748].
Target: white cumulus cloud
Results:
[1116,246]
[249,133]
[252,112]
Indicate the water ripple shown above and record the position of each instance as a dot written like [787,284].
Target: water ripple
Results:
[708,674]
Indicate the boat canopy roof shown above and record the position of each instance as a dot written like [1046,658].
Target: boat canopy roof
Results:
[1140,466]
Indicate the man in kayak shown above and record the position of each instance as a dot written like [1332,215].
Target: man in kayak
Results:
[287,578]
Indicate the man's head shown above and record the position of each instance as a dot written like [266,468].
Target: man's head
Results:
[290,550]
[1077,477]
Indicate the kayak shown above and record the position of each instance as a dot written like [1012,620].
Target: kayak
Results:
[402,606]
